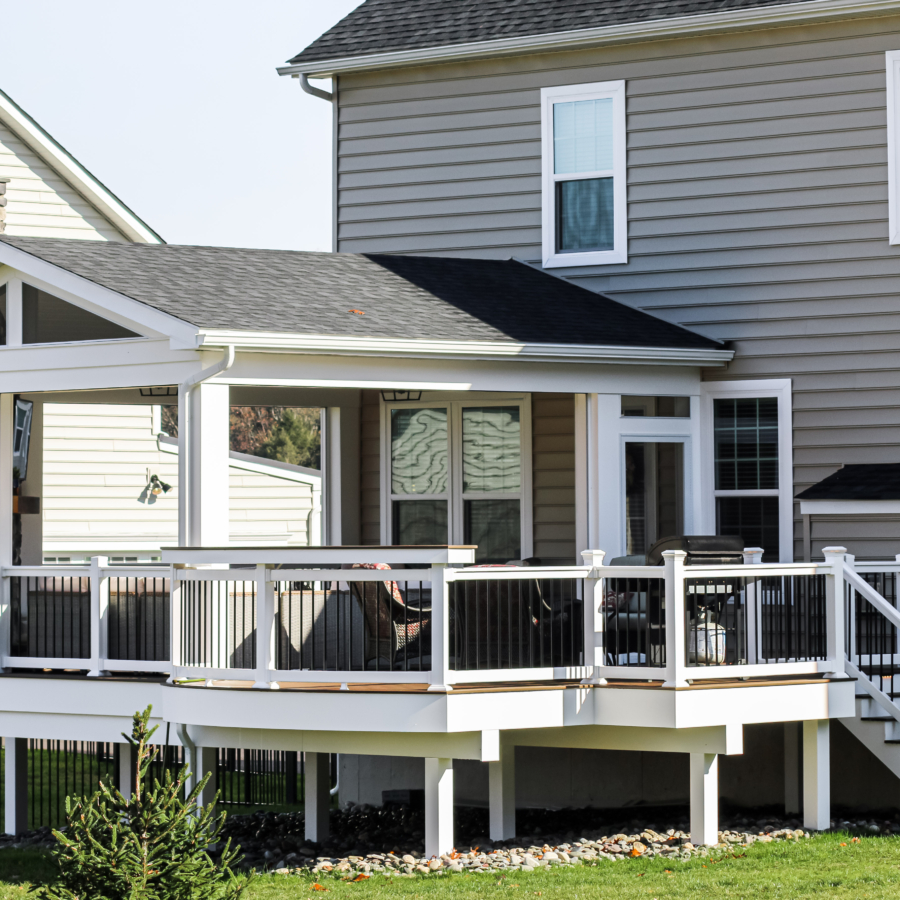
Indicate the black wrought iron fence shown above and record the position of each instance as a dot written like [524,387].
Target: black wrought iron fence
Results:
[138,618]
[264,778]
[516,623]
[793,622]
[873,637]
[634,622]
[50,616]
[218,624]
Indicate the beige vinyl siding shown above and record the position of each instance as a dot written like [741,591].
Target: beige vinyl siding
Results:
[40,203]
[97,458]
[553,473]
[757,204]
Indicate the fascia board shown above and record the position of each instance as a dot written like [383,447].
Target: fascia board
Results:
[97,298]
[25,128]
[337,345]
[682,26]
[850,507]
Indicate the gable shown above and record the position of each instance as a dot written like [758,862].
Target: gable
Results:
[39,201]
[49,320]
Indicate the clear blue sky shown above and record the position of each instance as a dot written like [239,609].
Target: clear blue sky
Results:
[175,105]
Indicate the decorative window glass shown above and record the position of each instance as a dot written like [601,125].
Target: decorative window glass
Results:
[457,475]
[584,192]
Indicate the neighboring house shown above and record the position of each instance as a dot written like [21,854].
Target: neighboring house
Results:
[98,496]
[640,283]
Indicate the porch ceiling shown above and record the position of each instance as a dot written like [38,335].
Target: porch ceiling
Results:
[361,296]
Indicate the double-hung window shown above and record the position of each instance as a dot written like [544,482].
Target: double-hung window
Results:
[457,473]
[584,189]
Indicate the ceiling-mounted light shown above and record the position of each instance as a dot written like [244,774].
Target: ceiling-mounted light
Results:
[397,396]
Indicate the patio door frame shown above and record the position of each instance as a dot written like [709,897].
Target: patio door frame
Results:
[454,402]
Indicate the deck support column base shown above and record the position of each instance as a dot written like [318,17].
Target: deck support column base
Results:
[502,780]
[704,798]
[317,781]
[16,785]
[816,775]
[438,806]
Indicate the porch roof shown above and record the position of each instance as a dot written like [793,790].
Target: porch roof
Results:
[360,295]
[865,481]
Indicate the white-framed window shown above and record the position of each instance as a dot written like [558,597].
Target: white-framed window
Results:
[458,472]
[584,200]
[747,455]
[892,61]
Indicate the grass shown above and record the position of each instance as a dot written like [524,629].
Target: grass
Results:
[825,867]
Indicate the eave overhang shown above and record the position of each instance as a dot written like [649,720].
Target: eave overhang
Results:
[658,29]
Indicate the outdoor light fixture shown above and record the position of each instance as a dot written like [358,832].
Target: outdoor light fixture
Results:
[393,396]
[170,391]
[158,487]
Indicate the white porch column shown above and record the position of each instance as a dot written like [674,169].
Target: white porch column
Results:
[502,781]
[438,806]
[7,434]
[792,768]
[207,757]
[16,784]
[816,775]
[317,783]
[203,445]
[126,775]
[704,798]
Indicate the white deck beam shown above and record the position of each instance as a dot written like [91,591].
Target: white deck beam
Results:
[438,806]
[816,775]
[704,798]
[318,797]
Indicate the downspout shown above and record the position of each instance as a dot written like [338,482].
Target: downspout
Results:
[184,474]
[191,761]
[313,91]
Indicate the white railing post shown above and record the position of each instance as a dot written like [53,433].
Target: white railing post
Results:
[676,668]
[594,616]
[834,609]
[175,619]
[5,617]
[265,626]
[99,613]
[441,579]
[752,557]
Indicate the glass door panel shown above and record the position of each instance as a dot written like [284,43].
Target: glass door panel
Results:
[654,493]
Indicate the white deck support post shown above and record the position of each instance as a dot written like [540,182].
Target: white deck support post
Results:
[317,781]
[835,590]
[594,620]
[438,806]
[265,630]
[676,674]
[175,620]
[752,557]
[15,782]
[441,578]
[207,757]
[7,435]
[704,798]
[99,614]
[792,768]
[502,790]
[126,776]
[816,775]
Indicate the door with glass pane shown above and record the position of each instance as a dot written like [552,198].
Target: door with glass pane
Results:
[654,493]
[458,474]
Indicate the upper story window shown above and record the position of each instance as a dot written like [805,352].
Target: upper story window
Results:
[584,190]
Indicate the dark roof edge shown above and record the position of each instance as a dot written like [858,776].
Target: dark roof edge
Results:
[787,13]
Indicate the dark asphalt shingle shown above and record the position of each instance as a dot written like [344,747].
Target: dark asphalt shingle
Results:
[866,481]
[401,296]
[380,26]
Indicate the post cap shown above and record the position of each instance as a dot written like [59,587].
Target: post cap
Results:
[593,557]
[674,554]
[834,552]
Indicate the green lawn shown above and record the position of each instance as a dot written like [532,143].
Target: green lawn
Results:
[828,866]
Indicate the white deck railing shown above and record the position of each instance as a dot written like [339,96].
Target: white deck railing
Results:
[431,622]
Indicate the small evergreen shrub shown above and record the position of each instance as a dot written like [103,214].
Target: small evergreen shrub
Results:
[149,847]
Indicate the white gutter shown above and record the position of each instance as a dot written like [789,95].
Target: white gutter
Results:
[313,91]
[184,416]
[661,29]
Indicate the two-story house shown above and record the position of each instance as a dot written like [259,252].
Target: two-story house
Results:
[603,275]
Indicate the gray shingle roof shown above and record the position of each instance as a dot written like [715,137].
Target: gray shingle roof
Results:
[865,481]
[401,296]
[379,26]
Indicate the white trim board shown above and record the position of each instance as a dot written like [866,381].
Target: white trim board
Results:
[892,66]
[59,159]
[850,507]
[631,32]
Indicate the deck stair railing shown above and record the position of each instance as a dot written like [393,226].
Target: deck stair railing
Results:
[427,616]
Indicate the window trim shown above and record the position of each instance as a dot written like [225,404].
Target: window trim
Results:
[729,390]
[550,96]
[454,495]
[892,67]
